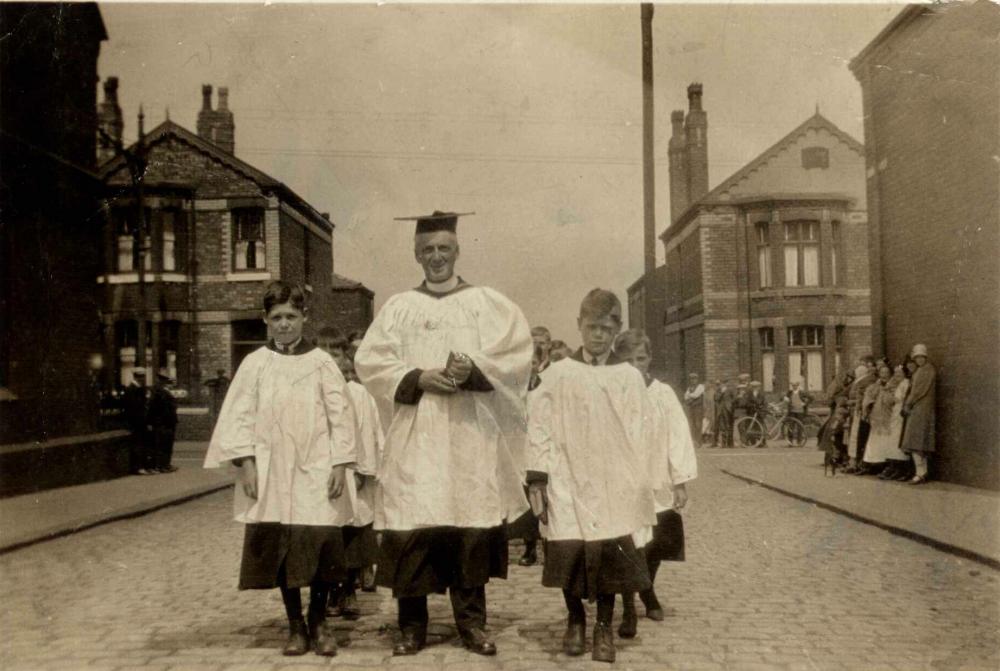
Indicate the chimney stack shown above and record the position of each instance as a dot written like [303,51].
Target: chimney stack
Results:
[109,119]
[677,156]
[696,145]
[217,126]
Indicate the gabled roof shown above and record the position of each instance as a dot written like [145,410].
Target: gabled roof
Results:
[341,283]
[263,180]
[816,122]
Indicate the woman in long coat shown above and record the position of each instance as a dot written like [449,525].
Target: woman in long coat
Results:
[918,434]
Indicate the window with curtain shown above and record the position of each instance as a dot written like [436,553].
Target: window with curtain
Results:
[169,241]
[805,356]
[801,254]
[767,358]
[248,239]
[763,254]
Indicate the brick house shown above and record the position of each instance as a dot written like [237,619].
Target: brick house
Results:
[49,194]
[218,231]
[767,273]
[932,128]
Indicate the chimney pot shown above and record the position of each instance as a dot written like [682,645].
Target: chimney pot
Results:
[694,95]
[111,89]
[223,98]
[325,215]
[206,96]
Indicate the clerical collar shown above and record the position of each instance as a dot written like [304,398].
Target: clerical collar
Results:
[442,289]
[300,346]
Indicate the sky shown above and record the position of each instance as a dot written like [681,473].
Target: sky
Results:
[528,115]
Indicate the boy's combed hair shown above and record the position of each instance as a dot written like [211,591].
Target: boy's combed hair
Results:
[628,342]
[541,331]
[280,292]
[601,303]
[333,337]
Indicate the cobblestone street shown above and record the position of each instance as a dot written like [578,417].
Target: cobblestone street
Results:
[770,583]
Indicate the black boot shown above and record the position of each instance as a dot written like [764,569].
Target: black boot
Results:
[323,640]
[530,557]
[604,643]
[298,639]
[629,625]
[654,611]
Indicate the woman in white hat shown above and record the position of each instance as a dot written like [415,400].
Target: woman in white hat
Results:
[918,433]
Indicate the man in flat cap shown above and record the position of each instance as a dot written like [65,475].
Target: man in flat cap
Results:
[448,364]
[135,401]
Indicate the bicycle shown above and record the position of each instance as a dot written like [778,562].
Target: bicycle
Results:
[752,429]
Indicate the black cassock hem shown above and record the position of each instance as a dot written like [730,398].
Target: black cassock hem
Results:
[668,538]
[588,568]
[433,559]
[308,553]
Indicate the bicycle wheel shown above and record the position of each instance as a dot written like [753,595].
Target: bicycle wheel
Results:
[749,431]
[793,431]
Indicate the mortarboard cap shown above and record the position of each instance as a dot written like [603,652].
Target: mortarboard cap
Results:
[436,221]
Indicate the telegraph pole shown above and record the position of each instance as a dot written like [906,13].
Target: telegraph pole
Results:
[138,169]
[648,169]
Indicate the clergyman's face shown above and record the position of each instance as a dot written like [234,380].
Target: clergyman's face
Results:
[437,252]
[285,322]
[598,334]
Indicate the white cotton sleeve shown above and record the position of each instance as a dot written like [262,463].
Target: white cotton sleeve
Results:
[340,416]
[235,430]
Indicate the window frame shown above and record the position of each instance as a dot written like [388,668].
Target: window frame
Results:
[762,235]
[256,247]
[802,235]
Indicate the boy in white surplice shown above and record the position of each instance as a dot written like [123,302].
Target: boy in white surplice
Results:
[589,474]
[287,425]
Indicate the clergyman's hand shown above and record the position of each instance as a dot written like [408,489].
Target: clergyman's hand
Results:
[539,501]
[680,496]
[436,381]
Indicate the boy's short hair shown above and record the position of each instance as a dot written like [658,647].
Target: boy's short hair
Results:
[601,303]
[628,342]
[541,330]
[334,336]
[280,292]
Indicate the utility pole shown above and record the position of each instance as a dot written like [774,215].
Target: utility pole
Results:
[648,170]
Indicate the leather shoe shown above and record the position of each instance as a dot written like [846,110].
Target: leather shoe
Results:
[574,640]
[528,559]
[477,641]
[323,640]
[629,625]
[604,644]
[298,639]
[655,614]
[409,643]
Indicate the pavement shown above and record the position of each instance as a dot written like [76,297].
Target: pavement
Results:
[771,581]
[35,517]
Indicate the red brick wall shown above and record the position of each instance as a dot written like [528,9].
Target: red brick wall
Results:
[936,224]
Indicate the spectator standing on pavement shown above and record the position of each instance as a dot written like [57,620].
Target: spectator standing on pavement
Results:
[542,339]
[135,406]
[448,363]
[708,416]
[740,394]
[694,401]
[590,477]
[162,421]
[559,351]
[918,409]
[360,546]
[886,420]
[725,398]
[755,405]
[864,377]
[287,425]
[797,402]
[218,386]
[677,450]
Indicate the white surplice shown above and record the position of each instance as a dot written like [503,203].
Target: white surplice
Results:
[590,430]
[677,447]
[368,432]
[449,460]
[292,414]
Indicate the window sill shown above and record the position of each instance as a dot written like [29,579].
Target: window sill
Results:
[248,276]
[133,278]
[792,292]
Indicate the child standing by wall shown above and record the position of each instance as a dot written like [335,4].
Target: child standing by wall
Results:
[286,425]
